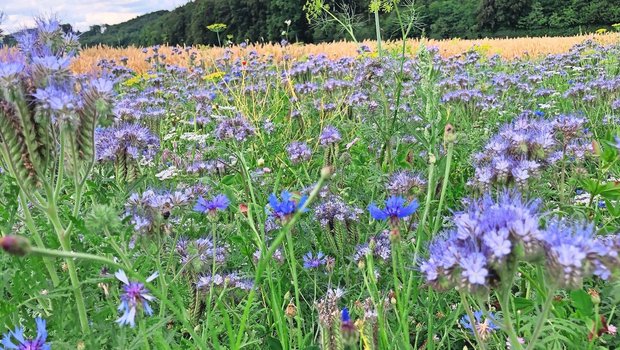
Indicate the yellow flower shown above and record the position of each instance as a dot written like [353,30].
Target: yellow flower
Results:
[215,76]
[601,31]
[136,79]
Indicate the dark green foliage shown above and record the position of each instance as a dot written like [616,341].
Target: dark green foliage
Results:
[264,20]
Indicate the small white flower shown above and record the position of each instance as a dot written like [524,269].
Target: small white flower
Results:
[166,174]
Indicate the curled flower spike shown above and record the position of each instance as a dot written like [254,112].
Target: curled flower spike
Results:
[135,296]
[219,202]
[285,207]
[395,208]
[38,343]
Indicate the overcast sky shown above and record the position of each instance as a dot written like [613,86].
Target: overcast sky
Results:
[80,13]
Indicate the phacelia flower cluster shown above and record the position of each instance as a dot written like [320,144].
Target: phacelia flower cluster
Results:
[524,147]
[219,280]
[491,234]
[403,182]
[201,253]
[298,152]
[379,246]
[329,135]
[484,238]
[126,142]
[237,128]
[333,210]
[150,211]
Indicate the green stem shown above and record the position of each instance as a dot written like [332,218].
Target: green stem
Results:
[371,285]
[118,249]
[52,214]
[542,318]
[266,257]
[472,321]
[400,301]
[49,263]
[427,206]
[293,264]
[378,34]
[504,301]
[444,187]
[563,176]
[105,261]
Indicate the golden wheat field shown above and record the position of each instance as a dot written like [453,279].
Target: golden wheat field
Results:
[507,48]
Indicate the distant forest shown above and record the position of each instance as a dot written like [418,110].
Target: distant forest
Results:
[266,20]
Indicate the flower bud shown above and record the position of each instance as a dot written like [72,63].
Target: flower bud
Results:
[432,159]
[596,148]
[594,294]
[327,172]
[291,310]
[448,135]
[15,245]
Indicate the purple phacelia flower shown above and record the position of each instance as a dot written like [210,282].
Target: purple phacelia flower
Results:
[228,280]
[298,152]
[402,182]
[334,210]
[125,140]
[380,246]
[237,128]
[329,135]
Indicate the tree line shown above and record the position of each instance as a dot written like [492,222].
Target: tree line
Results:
[273,20]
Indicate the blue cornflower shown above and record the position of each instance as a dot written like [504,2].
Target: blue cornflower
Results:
[617,138]
[135,296]
[286,206]
[345,315]
[485,328]
[313,262]
[38,343]
[395,209]
[219,202]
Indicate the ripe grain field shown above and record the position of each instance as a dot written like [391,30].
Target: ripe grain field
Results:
[506,48]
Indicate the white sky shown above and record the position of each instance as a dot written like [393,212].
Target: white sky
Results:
[19,14]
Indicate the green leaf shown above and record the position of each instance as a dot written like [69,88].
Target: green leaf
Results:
[582,302]
[273,343]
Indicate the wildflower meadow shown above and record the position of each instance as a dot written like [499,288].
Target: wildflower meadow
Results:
[394,198]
